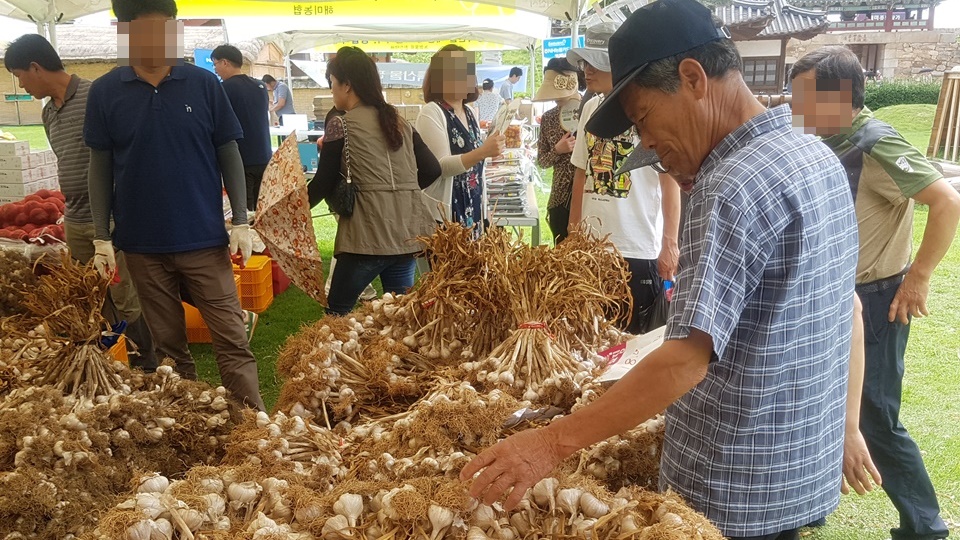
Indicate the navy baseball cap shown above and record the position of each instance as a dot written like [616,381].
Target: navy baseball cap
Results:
[657,30]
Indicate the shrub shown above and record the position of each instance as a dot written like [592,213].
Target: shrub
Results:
[901,93]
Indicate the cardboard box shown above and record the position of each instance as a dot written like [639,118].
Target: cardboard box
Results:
[14,148]
[47,157]
[18,191]
[25,176]
[16,163]
[49,171]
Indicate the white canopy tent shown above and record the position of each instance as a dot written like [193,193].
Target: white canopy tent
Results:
[47,13]
[520,30]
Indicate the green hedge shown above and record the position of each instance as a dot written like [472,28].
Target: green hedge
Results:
[901,93]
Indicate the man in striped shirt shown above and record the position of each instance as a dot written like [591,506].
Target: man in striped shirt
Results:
[38,68]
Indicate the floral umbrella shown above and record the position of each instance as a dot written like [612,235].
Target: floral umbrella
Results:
[284,222]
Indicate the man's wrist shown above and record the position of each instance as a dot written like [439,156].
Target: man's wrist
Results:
[920,270]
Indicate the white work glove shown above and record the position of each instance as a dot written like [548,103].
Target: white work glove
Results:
[104,258]
[240,240]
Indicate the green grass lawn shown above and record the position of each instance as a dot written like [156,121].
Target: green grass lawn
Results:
[931,410]
[914,122]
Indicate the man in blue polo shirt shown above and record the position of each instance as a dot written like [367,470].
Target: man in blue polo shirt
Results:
[248,96]
[161,134]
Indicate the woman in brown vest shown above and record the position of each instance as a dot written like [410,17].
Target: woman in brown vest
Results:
[388,165]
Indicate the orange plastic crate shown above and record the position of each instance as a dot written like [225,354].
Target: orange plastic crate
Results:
[257,290]
[258,304]
[255,270]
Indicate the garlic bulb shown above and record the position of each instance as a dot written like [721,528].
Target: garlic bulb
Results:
[139,530]
[243,492]
[544,494]
[161,529]
[216,506]
[476,533]
[440,519]
[154,483]
[349,506]
[336,528]
[592,507]
[568,500]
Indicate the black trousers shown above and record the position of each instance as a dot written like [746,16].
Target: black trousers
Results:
[559,220]
[254,176]
[792,534]
[645,286]
[896,455]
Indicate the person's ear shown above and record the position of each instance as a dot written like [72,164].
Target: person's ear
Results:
[693,78]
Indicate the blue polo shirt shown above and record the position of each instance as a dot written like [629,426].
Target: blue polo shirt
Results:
[167,186]
[250,102]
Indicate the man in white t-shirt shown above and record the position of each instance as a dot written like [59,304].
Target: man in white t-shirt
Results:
[640,209]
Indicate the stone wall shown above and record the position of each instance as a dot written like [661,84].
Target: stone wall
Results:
[903,54]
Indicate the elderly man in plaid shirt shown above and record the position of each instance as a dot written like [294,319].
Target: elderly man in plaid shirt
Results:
[753,370]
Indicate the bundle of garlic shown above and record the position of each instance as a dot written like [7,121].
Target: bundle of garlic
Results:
[281,445]
[629,459]
[16,276]
[436,437]
[336,370]
[18,356]
[63,307]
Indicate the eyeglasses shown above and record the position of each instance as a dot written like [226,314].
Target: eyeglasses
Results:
[582,64]
[658,167]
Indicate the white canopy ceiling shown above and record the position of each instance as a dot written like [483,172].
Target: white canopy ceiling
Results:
[43,11]
[51,10]
[519,30]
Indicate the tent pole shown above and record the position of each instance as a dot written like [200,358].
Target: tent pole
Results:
[52,30]
[531,79]
[286,66]
[574,33]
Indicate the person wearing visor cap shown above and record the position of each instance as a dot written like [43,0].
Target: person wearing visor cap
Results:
[753,368]
[638,210]
[557,140]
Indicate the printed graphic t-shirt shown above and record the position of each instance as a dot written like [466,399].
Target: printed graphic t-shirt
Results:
[626,207]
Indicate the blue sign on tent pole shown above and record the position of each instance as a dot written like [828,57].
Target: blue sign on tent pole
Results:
[558,47]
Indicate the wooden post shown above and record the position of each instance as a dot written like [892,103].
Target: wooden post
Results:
[933,5]
[945,135]
[888,20]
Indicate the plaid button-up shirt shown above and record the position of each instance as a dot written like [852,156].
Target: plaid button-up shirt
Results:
[767,267]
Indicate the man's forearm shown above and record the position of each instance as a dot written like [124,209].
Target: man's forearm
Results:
[670,202]
[857,361]
[100,188]
[576,197]
[938,235]
[649,388]
[234,182]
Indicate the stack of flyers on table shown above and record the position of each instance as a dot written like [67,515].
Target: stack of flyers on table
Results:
[507,197]
[624,357]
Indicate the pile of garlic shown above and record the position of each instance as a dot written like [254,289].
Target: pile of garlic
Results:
[218,501]
[288,445]
[86,450]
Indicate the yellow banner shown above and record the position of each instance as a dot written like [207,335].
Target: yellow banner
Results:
[217,9]
[373,46]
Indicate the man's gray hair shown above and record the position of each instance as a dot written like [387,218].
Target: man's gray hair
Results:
[717,58]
